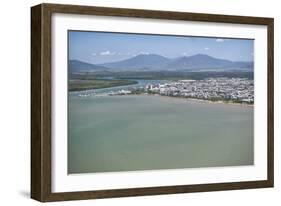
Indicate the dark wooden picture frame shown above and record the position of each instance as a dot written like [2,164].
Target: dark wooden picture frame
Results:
[41,117]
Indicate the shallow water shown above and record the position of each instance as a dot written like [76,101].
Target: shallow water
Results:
[129,133]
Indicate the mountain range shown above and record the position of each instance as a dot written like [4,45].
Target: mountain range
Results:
[80,66]
[154,62]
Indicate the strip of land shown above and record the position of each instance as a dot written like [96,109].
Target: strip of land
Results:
[163,75]
[80,84]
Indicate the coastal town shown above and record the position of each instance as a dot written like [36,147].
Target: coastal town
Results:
[235,90]
[239,90]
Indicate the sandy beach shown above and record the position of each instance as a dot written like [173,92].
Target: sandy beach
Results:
[196,100]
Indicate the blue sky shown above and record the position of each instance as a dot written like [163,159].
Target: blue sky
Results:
[101,47]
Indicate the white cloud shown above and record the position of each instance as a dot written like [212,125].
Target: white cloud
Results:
[145,53]
[123,54]
[104,53]
[140,53]
[94,54]
[219,40]
[184,54]
[207,48]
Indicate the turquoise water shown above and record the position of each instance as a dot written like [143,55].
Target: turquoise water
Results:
[129,133]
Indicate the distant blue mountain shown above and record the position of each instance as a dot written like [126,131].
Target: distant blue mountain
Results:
[195,62]
[206,62]
[79,66]
[140,62]
[153,62]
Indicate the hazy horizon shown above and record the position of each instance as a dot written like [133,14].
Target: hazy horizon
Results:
[103,47]
[150,54]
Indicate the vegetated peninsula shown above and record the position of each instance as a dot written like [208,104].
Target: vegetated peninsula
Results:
[90,84]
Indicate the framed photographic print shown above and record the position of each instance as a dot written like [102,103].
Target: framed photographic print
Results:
[130,102]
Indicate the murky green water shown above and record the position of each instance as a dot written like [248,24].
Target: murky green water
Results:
[129,133]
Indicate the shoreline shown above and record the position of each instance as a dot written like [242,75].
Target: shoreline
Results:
[194,100]
[171,97]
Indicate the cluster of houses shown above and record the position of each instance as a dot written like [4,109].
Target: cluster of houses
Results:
[240,90]
[234,89]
